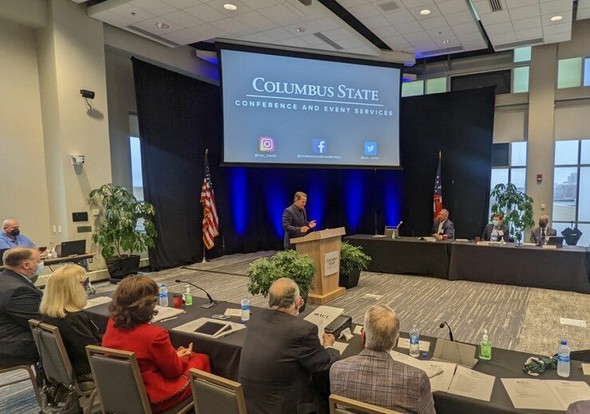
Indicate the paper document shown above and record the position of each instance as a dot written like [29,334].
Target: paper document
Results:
[165,312]
[99,300]
[439,373]
[322,317]
[405,343]
[586,369]
[535,394]
[233,312]
[573,322]
[358,329]
[472,384]
[340,346]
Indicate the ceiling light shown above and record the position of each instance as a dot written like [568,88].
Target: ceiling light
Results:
[162,26]
[231,7]
[556,18]
[424,12]
[445,41]
[300,29]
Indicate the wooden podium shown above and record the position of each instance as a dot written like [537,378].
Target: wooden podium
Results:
[324,249]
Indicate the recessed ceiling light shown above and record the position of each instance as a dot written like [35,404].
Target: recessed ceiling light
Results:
[300,29]
[162,26]
[445,41]
[229,6]
[424,12]
[556,18]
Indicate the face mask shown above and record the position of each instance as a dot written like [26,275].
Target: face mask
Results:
[15,232]
[39,269]
[496,223]
[542,224]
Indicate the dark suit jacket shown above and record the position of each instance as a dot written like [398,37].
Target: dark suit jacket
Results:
[293,220]
[487,233]
[77,330]
[19,302]
[448,228]
[279,355]
[536,234]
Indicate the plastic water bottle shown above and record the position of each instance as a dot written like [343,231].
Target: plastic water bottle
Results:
[188,296]
[563,359]
[414,342]
[163,298]
[245,317]
[485,347]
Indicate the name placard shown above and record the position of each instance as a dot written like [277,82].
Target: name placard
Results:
[331,262]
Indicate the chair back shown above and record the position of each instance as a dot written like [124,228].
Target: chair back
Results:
[213,394]
[344,405]
[118,381]
[53,354]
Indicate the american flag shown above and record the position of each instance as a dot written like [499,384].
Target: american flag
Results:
[210,219]
[437,203]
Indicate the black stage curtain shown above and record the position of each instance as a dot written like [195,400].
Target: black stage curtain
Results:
[179,117]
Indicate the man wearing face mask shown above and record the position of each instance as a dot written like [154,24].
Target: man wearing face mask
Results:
[496,231]
[10,236]
[280,354]
[539,235]
[19,302]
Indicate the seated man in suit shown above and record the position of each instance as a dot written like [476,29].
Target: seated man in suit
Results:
[280,354]
[540,234]
[374,377]
[295,223]
[496,230]
[443,226]
[19,302]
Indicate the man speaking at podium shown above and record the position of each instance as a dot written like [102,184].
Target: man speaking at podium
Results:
[295,221]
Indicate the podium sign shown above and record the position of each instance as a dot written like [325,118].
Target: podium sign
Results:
[323,247]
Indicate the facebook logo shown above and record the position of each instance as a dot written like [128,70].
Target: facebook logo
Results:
[320,146]
[371,149]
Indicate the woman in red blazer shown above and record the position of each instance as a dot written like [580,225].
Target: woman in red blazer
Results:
[164,369]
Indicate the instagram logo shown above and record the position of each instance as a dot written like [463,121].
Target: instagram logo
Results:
[267,144]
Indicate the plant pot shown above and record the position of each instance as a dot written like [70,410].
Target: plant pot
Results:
[122,266]
[349,280]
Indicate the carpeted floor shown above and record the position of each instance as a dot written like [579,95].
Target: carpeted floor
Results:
[517,318]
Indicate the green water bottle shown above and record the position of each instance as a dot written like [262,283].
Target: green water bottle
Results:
[188,297]
[485,347]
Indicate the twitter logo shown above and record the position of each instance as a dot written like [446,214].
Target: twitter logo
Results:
[371,149]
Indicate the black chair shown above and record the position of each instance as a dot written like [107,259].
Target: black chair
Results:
[30,377]
[213,394]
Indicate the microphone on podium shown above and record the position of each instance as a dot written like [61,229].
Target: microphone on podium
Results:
[442,325]
[206,305]
[400,223]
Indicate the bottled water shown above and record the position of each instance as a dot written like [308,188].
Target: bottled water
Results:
[485,347]
[414,342]
[245,310]
[188,296]
[163,298]
[563,359]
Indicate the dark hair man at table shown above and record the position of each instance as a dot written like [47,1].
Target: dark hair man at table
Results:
[443,226]
[280,354]
[10,236]
[496,230]
[374,377]
[540,234]
[19,302]
[295,223]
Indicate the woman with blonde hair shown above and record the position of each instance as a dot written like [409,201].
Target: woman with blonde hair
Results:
[62,305]
[164,370]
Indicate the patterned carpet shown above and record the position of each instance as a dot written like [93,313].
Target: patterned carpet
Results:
[517,318]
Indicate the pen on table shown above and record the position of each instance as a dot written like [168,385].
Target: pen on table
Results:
[168,319]
[437,373]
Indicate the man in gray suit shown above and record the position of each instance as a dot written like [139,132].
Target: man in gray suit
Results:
[539,235]
[374,377]
[295,221]
[19,302]
[280,354]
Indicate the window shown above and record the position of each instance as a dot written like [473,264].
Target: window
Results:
[136,174]
[520,79]
[571,198]
[413,88]
[587,71]
[522,54]
[436,85]
[569,73]
[509,165]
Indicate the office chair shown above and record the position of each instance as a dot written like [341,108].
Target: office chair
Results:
[213,394]
[344,405]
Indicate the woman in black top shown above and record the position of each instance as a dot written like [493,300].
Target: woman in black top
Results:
[63,306]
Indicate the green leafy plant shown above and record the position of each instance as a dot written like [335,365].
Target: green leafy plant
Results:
[352,258]
[516,206]
[116,226]
[262,272]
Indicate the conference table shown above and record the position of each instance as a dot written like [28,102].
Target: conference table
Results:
[224,354]
[565,268]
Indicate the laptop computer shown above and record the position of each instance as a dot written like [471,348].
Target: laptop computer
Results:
[555,241]
[72,248]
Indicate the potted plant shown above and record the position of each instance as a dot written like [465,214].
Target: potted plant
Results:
[116,228]
[288,263]
[352,261]
[516,206]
